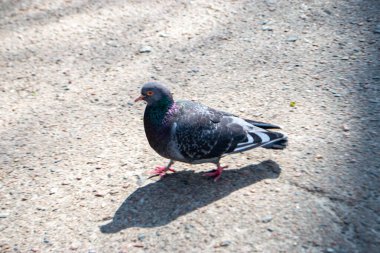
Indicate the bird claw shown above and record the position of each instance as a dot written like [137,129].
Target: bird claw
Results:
[215,173]
[160,171]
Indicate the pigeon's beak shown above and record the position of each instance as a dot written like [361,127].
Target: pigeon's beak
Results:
[140,98]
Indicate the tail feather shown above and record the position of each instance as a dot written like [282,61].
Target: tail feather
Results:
[265,139]
[277,144]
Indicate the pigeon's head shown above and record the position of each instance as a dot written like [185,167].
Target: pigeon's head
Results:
[153,93]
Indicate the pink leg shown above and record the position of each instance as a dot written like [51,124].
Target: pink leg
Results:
[161,170]
[216,173]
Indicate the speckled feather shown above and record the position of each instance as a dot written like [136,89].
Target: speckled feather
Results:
[191,132]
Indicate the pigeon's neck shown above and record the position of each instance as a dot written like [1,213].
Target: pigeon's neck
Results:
[158,122]
[157,113]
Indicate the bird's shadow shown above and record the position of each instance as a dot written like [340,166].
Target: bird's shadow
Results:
[177,194]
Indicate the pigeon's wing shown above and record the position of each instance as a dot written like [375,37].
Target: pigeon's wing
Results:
[204,133]
[262,124]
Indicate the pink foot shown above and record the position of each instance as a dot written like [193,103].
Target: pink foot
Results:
[216,173]
[160,171]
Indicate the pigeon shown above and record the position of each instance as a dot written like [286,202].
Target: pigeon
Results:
[189,132]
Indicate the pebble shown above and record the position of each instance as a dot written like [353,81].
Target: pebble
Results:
[4,215]
[194,70]
[100,194]
[271,4]
[292,38]
[377,29]
[266,219]
[266,28]
[225,243]
[75,245]
[145,49]
[112,43]
[53,191]
[163,35]
[41,208]
[318,156]
[141,237]
[330,250]
[345,128]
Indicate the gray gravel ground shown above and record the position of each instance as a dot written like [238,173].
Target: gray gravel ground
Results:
[74,157]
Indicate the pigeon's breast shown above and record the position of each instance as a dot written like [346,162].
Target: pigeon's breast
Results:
[163,141]
[160,130]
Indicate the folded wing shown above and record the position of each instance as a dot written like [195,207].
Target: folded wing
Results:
[204,133]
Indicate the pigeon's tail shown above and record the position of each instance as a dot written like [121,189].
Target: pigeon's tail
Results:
[277,141]
[265,139]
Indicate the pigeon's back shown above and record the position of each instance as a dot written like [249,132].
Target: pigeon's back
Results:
[204,133]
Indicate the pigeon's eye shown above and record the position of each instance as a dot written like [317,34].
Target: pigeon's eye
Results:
[149,93]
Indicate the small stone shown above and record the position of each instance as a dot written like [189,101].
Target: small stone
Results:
[318,156]
[41,208]
[271,4]
[75,245]
[107,217]
[225,243]
[330,250]
[345,58]
[141,237]
[266,219]
[292,38]
[327,11]
[194,70]
[100,194]
[53,191]
[112,43]
[266,28]
[345,128]
[4,215]
[377,29]
[145,49]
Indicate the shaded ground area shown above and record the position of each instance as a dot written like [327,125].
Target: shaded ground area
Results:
[74,157]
